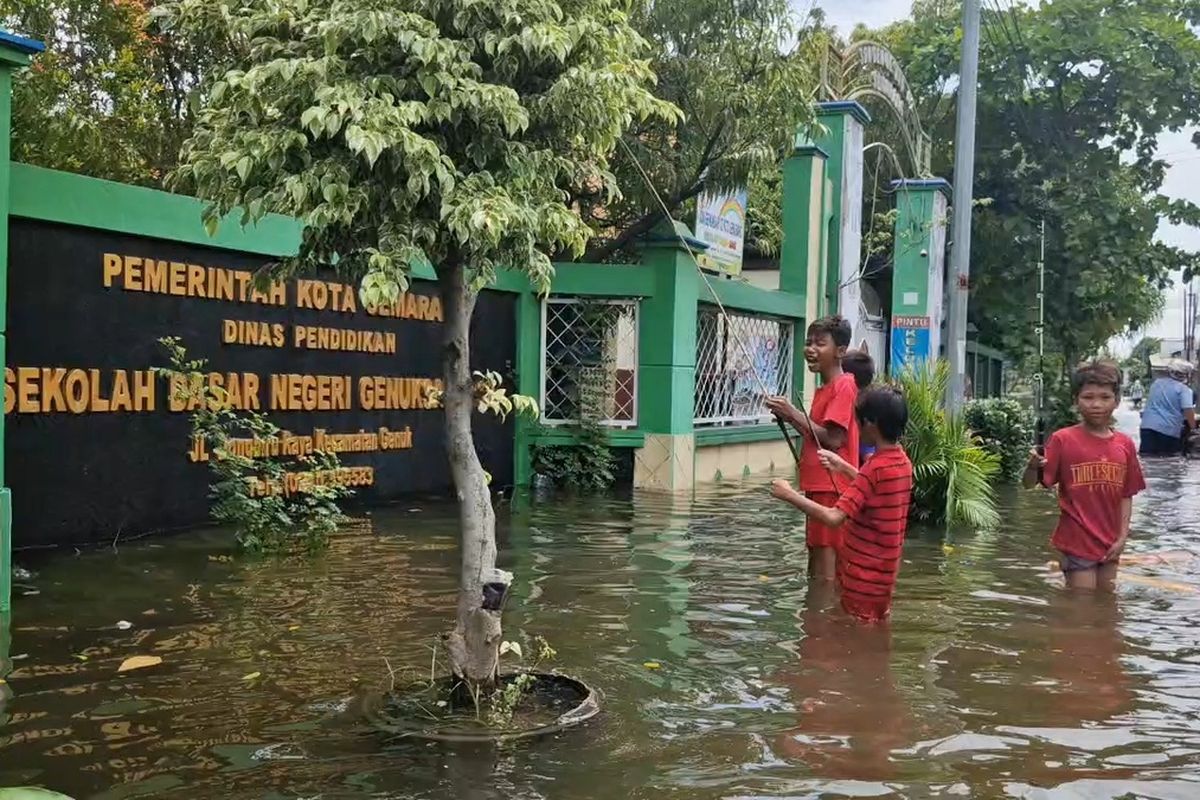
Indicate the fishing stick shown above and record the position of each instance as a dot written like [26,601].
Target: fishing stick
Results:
[725,316]
[1040,435]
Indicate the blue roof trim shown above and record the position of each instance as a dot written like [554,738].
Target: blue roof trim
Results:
[27,46]
[855,108]
[940,184]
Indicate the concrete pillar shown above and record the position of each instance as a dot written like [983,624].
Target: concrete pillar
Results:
[15,53]
[918,283]
[802,254]
[842,136]
[529,377]
[667,363]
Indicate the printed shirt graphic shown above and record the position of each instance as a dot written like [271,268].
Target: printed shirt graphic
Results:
[876,507]
[833,403]
[1093,476]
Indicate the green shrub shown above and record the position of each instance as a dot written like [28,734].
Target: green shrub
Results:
[254,495]
[1005,428]
[952,473]
[588,464]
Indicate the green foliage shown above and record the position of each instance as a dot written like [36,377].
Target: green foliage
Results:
[1073,96]
[451,131]
[952,473]
[252,494]
[1138,363]
[110,96]
[1004,428]
[504,701]
[744,75]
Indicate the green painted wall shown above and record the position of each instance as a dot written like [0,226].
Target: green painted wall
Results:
[667,335]
[802,252]
[14,53]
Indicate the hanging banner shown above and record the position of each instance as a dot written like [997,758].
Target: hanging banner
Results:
[721,224]
[910,343]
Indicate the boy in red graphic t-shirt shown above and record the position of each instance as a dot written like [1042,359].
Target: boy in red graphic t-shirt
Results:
[873,511]
[1097,473]
[833,423]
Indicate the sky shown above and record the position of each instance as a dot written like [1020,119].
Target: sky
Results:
[1183,178]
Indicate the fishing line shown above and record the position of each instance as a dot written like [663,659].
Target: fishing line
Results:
[1040,435]
[730,329]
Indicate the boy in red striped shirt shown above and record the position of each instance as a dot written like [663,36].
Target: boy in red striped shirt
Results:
[873,510]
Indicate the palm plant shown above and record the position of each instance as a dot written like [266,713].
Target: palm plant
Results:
[952,473]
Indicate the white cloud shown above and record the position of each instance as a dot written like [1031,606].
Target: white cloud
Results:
[845,14]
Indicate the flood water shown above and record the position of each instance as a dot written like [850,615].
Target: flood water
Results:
[989,682]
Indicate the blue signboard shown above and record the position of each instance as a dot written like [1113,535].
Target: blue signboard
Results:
[910,342]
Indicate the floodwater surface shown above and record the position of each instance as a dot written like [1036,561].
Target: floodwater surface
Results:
[723,675]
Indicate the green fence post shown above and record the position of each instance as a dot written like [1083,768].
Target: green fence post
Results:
[667,362]
[15,53]
[529,382]
[918,285]
[802,254]
[841,134]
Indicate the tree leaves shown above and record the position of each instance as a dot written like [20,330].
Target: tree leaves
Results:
[417,134]
[1072,99]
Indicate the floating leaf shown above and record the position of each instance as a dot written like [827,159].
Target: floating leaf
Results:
[139,662]
[30,793]
[652,665]
[293,627]
[764,578]
[80,656]
[947,549]
[252,676]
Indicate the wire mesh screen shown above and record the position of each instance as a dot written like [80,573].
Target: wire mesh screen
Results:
[589,361]
[740,360]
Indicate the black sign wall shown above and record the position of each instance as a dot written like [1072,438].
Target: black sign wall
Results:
[93,446]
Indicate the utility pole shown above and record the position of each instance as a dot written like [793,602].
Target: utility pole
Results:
[964,190]
[1189,322]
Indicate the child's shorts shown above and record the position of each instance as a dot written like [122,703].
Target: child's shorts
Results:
[820,534]
[1070,563]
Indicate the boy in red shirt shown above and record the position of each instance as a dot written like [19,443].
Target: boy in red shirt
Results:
[1097,473]
[833,423]
[874,509]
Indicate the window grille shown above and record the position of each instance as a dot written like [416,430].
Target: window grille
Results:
[730,353]
[589,360]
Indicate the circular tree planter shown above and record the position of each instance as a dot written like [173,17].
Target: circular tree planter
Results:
[551,704]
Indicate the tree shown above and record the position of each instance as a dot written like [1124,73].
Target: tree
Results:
[744,75]
[1138,363]
[110,96]
[451,131]
[1073,95]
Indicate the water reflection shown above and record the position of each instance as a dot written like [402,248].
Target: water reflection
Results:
[723,675]
[850,715]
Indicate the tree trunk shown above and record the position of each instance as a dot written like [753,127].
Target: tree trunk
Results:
[474,644]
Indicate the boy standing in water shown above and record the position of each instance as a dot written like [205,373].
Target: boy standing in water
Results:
[833,423]
[1097,473]
[859,364]
[873,510]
